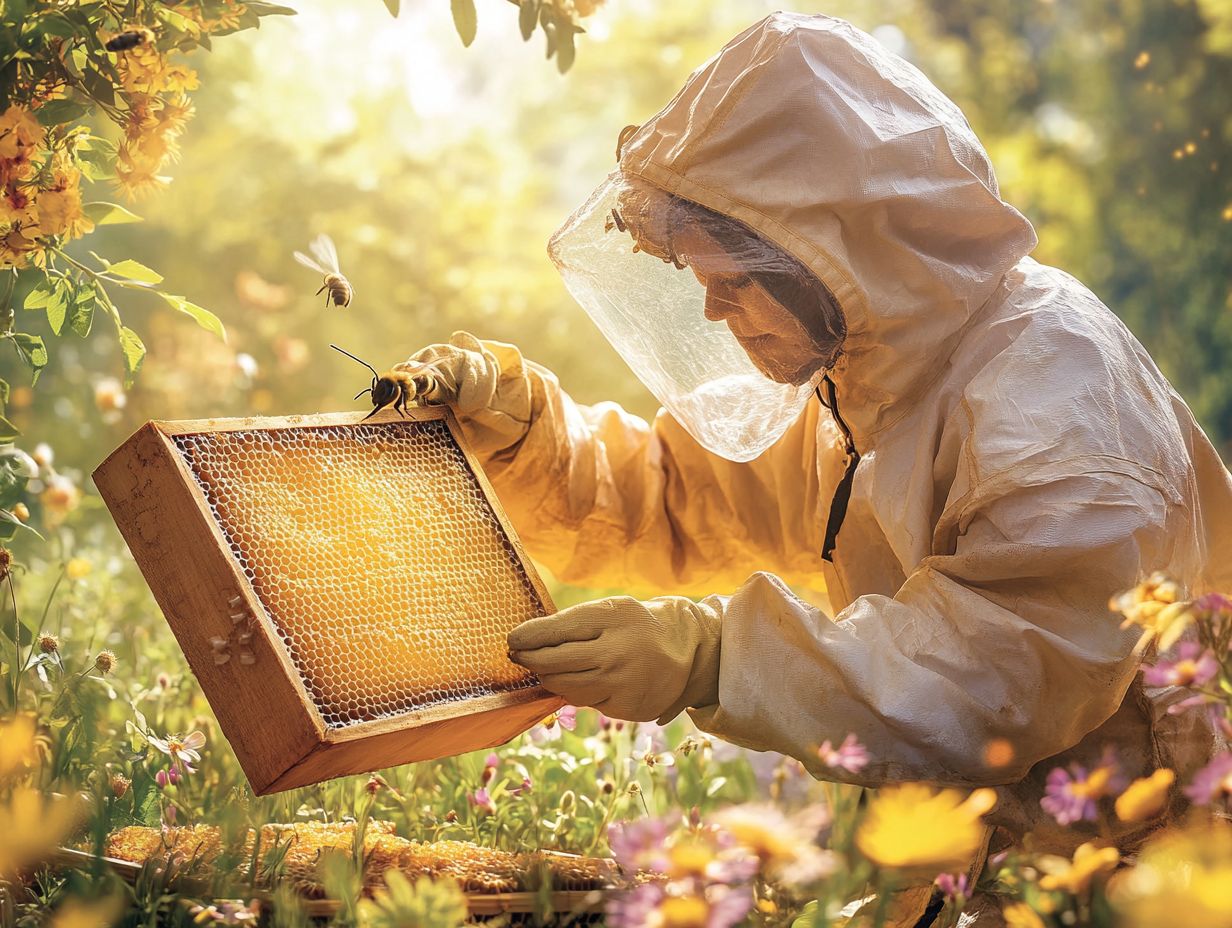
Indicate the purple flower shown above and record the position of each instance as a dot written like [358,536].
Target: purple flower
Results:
[952,884]
[1072,795]
[1212,782]
[851,755]
[482,801]
[161,779]
[637,907]
[728,905]
[1191,667]
[567,717]
[639,845]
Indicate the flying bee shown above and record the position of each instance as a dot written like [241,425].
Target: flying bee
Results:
[126,41]
[398,387]
[326,255]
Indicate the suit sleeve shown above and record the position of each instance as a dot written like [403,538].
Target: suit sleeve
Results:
[1007,637]
[607,500]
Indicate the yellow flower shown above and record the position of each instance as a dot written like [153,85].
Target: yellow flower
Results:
[684,912]
[180,78]
[20,133]
[32,826]
[17,206]
[1075,876]
[690,858]
[1181,878]
[99,913]
[911,826]
[1155,606]
[18,748]
[60,213]
[78,568]
[1021,915]
[1146,797]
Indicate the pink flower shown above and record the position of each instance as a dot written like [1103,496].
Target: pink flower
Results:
[482,801]
[952,884]
[523,788]
[1213,782]
[489,768]
[161,779]
[567,717]
[1072,795]
[851,755]
[1191,667]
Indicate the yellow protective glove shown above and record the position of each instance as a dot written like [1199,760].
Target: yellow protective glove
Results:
[483,382]
[638,661]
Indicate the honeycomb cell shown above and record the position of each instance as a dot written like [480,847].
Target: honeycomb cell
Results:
[377,558]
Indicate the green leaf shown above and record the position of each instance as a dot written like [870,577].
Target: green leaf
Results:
[465,20]
[108,214]
[392,6]
[57,309]
[81,312]
[8,431]
[32,351]
[565,50]
[11,522]
[134,353]
[135,270]
[528,15]
[4,392]
[58,112]
[206,319]
[41,295]
[98,86]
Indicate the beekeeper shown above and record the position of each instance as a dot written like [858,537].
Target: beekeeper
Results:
[867,386]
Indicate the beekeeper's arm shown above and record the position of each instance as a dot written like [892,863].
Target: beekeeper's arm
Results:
[604,499]
[1009,637]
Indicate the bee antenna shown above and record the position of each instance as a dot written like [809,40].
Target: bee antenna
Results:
[353,358]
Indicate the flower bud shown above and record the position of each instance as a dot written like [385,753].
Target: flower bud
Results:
[48,644]
[119,785]
[105,662]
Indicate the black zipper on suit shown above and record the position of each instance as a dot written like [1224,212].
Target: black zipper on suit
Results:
[842,495]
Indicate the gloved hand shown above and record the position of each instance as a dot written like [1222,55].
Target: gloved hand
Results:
[631,660]
[483,382]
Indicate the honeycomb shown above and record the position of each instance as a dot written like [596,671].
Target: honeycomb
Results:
[377,558]
[476,869]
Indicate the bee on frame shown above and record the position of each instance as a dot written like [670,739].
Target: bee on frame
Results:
[326,263]
[398,387]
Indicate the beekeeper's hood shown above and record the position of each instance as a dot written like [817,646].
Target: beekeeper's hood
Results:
[845,161]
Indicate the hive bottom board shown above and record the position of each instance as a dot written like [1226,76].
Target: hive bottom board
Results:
[496,882]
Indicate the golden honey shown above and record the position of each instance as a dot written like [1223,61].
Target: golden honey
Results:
[377,558]
[476,869]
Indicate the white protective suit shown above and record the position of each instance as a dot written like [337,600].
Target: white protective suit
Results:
[1021,458]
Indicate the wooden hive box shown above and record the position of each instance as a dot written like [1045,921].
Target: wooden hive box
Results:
[341,590]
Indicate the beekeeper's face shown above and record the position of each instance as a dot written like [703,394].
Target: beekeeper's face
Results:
[775,339]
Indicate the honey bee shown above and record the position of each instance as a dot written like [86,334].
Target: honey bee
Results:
[129,40]
[398,387]
[326,255]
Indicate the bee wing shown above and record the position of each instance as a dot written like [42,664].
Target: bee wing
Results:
[309,263]
[323,247]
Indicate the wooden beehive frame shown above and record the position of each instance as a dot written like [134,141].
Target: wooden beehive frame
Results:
[264,708]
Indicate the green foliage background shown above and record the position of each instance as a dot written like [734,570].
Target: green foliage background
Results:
[441,171]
